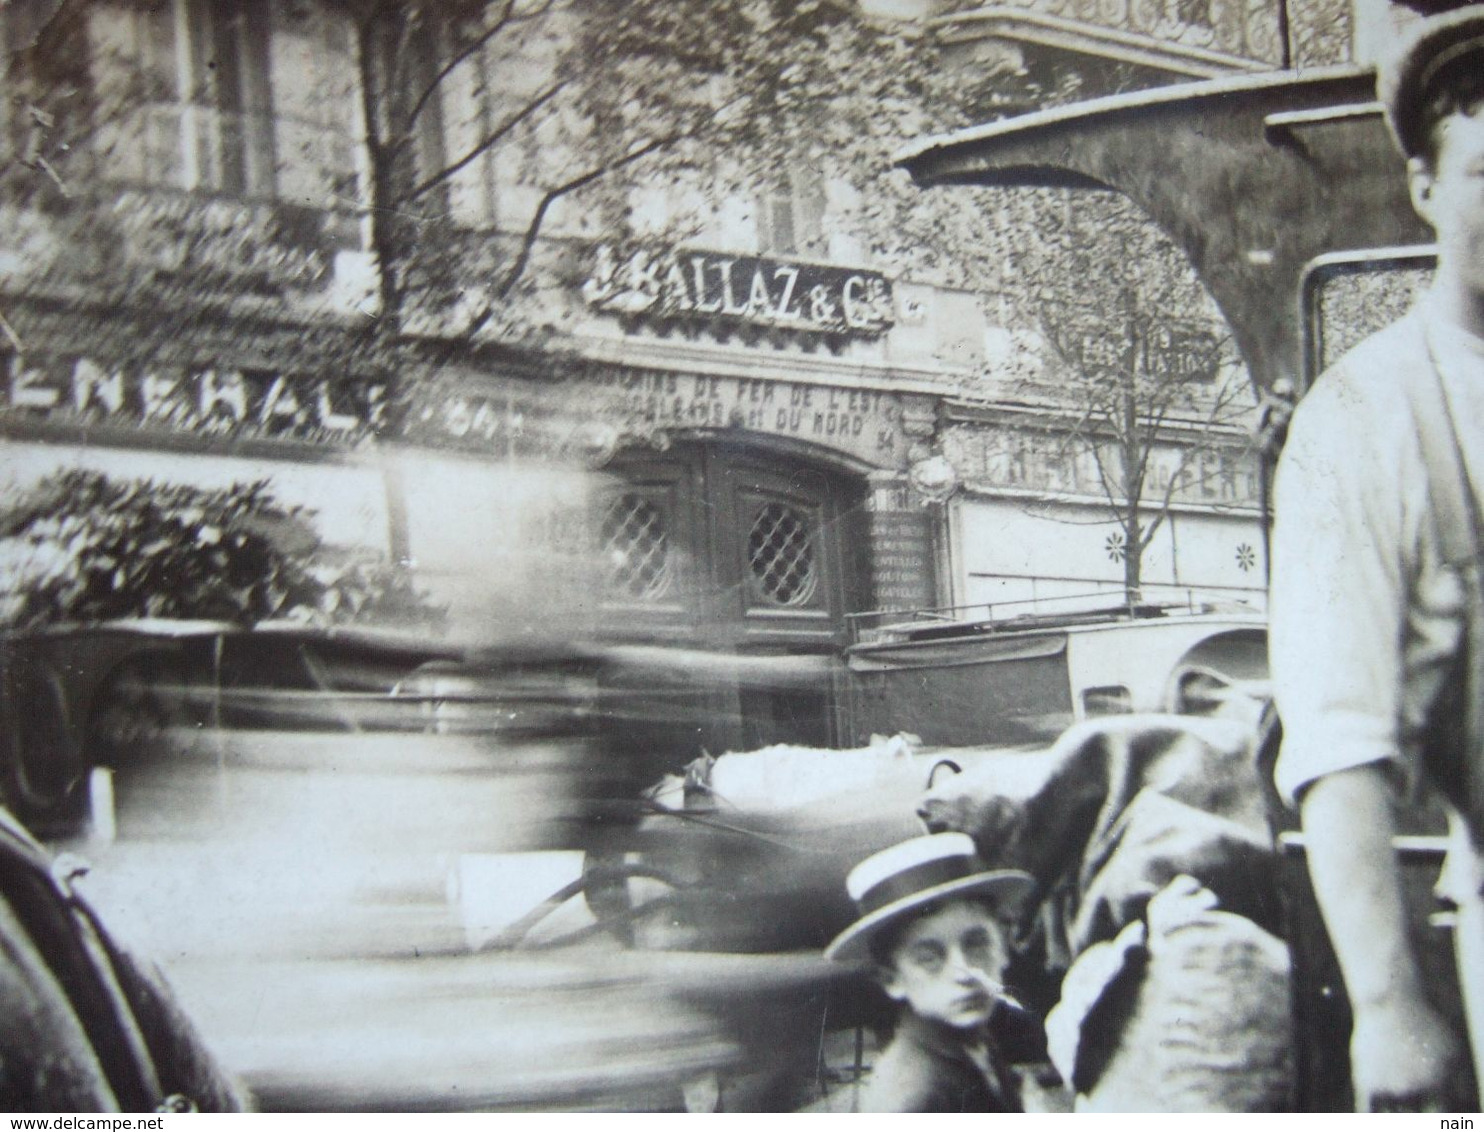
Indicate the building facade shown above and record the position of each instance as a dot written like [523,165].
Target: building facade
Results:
[744,432]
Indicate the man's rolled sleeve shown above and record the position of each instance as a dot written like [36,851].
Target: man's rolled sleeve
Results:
[1338,596]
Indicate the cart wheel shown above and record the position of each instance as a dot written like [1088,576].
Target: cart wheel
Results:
[636,903]
[605,887]
[44,763]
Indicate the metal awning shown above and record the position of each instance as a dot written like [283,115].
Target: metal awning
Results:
[1254,176]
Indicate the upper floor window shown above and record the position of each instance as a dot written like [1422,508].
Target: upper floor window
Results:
[183,94]
[230,146]
[791,214]
[410,63]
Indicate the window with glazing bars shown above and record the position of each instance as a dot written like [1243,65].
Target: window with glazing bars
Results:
[781,555]
[636,548]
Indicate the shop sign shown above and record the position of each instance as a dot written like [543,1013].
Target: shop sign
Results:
[216,400]
[1027,460]
[556,420]
[1168,354]
[866,423]
[712,287]
[646,407]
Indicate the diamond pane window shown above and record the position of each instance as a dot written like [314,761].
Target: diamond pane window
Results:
[636,547]
[780,550]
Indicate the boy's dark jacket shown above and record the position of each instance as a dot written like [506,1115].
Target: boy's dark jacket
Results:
[927,1069]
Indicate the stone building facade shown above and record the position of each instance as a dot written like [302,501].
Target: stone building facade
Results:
[742,440]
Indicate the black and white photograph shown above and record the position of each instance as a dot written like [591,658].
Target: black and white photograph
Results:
[747,556]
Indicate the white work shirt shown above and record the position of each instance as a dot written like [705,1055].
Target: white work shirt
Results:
[1364,613]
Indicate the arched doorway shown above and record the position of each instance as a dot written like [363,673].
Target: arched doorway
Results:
[741,558]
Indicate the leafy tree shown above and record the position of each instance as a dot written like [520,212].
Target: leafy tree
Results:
[574,108]
[584,104]
[1134,358]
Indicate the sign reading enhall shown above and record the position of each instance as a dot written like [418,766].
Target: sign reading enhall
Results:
[215,400]
[709,287]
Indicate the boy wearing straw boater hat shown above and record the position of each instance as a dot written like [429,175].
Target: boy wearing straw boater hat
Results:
[933,922]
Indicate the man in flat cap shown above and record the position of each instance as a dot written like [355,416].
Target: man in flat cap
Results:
[1377,621]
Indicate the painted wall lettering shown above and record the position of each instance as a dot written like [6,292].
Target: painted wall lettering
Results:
[902,574]
[994,457]
[543,419]
[212,399]
[863,422]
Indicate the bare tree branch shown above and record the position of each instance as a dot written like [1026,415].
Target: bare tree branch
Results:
[1163,511]
[538,218]
[458,57]
[485,144]
[1111,489]
[365,64]
[554,194]
[401,58]
[10,335]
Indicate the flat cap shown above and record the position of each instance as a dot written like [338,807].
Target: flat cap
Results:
[1425,53]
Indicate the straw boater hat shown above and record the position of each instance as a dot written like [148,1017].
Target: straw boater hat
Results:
[898,881]
[1426,53]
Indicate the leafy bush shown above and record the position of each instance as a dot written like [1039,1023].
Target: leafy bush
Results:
[84,547]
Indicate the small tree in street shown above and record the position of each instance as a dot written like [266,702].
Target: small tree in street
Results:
[1137,364]
[1152,385]
[573,108]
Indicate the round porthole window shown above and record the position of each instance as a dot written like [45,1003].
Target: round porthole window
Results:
[780,550]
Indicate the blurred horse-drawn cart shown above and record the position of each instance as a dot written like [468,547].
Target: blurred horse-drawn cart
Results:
[1118,758]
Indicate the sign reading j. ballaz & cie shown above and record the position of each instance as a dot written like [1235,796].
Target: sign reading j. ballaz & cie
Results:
[686,284]
[215,400]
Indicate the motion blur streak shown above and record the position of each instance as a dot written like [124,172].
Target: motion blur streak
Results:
[303,890]
[388,873]
[475,1031]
